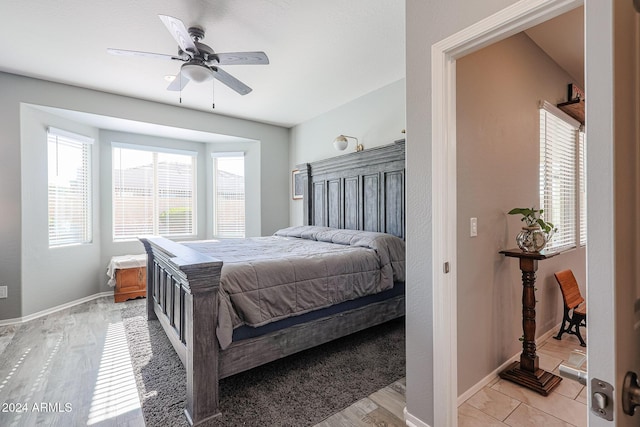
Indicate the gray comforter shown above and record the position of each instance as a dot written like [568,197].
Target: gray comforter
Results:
[298,270]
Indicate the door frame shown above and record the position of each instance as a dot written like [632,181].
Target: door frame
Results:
[444,54]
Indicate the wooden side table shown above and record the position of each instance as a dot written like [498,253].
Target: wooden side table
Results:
[128,275]
[131,283]
[526,372]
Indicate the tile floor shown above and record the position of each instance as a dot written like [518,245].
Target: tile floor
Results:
[500,403]
[509,404]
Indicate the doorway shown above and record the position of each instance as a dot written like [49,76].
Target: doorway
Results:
[445,54]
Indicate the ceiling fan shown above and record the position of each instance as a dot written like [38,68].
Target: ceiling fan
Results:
[200,62]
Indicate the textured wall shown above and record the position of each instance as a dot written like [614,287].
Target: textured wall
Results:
[376,118]
[427,22]
[498,151]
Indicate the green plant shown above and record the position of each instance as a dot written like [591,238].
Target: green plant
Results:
[533,217]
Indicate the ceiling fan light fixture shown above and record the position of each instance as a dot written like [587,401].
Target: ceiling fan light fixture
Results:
[197,72]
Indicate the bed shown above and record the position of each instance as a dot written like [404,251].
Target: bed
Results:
[353,236]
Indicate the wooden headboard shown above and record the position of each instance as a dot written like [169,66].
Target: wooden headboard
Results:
[361,190]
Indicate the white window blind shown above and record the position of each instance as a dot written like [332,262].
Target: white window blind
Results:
[153,192]
[69,193]
[229,196]
[558,174]
[582,187]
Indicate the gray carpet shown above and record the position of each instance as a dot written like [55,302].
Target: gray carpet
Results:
[300,390]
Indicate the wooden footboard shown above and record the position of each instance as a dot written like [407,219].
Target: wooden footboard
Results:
[249,353]
[182,293]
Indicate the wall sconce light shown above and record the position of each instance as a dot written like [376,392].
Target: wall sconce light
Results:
[341,143]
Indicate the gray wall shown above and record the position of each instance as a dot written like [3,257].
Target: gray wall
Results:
[427,23]
[376,118]
[498,146]
[52,276]
[80,275]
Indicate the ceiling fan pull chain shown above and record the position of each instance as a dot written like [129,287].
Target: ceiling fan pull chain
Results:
[213,103]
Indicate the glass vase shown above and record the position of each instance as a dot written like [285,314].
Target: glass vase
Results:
[531,239]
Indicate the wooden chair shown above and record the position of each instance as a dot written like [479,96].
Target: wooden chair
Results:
[575,311]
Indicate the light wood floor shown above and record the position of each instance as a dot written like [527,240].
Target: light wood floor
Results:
[72,368]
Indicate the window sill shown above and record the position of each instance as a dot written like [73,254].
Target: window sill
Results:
[560,251]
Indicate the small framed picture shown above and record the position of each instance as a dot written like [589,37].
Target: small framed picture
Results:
[574,92]
[296,185]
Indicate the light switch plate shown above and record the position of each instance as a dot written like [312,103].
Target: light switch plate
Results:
[473,227]
[3,292]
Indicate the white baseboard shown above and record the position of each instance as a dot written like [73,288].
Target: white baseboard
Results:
[17,320]
[493,375]
[412,421]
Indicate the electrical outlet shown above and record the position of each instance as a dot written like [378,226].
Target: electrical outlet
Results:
[3,292]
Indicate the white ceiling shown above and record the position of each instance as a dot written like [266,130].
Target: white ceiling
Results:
[322,53]
[562,38]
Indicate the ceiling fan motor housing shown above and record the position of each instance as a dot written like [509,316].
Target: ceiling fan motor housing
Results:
[196,33]
[204,52]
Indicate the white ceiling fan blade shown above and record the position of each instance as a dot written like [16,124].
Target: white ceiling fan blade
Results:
[178,83]
[179,32]
[231,81]
[241,58]
[123,52]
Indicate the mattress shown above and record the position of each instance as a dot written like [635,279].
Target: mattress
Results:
[299,270]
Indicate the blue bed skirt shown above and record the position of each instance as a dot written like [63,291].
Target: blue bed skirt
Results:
[244,332]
